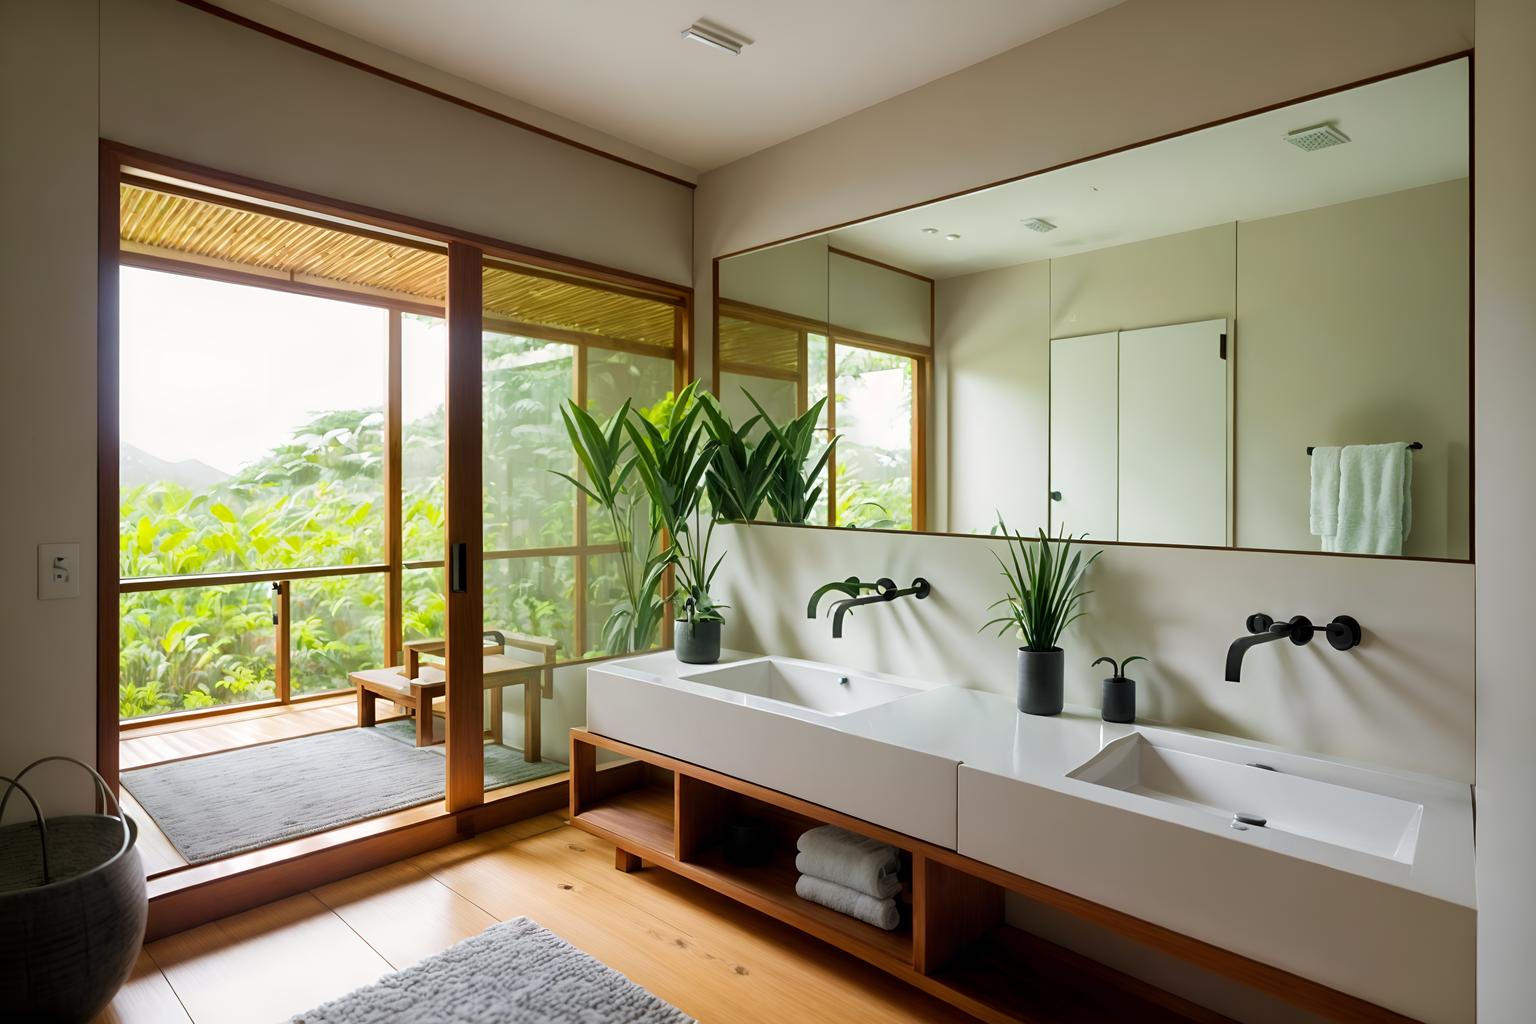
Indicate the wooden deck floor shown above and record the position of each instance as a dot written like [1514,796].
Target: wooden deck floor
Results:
[699,951]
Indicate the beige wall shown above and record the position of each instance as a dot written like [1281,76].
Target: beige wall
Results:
[992,392]
[1506,492]
[48,382]
[178,81]
[1402,699]
[1175,279]
[1352,327]
[789,278]
[181,82]
[876,300]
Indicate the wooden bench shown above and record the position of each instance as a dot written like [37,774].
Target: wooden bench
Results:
[415,685]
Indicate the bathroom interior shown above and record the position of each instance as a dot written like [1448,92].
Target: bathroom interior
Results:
[1036,537]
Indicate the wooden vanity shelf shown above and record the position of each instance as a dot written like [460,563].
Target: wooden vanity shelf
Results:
[952,941]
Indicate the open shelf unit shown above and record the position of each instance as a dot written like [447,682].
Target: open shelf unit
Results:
[951,942]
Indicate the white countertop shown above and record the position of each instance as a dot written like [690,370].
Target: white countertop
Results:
[985,732]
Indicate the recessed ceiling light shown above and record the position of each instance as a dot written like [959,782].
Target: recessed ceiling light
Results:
[1039,224]
[701,33]
[951,238]
[930,231]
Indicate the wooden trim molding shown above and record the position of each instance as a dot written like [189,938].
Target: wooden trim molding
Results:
[835,251]
[458,101]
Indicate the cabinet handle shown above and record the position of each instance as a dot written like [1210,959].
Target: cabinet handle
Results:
[1055,495]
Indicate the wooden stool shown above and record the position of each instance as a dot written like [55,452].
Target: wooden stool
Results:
[416,685]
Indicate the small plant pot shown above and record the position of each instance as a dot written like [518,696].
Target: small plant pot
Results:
[697,643]
[1040,681]
[1119,699]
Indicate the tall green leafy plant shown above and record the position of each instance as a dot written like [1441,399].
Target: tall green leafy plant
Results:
[609,463]
[793,492]
[671,460]
[1045,590]
[742,470]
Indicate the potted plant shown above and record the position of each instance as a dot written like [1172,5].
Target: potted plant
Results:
[672,460]
[1119,701]
[1044,593]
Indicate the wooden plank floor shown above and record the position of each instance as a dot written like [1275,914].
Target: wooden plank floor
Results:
[708,956]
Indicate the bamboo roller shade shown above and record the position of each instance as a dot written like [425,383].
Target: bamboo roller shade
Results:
[173,225]
[750,343]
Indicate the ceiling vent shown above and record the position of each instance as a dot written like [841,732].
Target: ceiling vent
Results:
[1319,136]
[1039,224]
[709,35]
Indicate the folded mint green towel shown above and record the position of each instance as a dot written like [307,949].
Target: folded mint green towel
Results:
[1325,493]
[1375,498]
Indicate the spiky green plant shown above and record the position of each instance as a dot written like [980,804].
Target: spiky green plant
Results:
[608,463]
[743,469]
[1044,587]
[794,493]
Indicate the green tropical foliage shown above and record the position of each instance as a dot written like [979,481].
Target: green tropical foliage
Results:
[316,499]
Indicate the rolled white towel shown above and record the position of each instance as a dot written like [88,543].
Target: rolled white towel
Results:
[880,913]
[851,860]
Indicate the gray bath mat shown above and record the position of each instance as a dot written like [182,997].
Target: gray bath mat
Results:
[221,804]
[512,973]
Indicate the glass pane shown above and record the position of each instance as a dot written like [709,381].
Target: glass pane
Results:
[778,396]
[423,369]
[524,382]
[874,457]
[816,390]
[422,603]
[611,378]
[252,427]
[536,596]
[337,626]
[608,607]
[195,647]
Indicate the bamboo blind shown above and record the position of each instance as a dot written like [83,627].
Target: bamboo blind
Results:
[174,225]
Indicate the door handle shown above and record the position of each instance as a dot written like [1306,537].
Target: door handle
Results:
[1055,495]
[458,568]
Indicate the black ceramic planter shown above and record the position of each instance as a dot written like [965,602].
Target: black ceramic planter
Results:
[1040,681]
[697,643]
[1119,699]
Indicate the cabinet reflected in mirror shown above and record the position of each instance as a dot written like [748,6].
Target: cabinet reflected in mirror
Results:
[1144,347]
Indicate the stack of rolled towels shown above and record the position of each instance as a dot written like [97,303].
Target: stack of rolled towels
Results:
[851,874]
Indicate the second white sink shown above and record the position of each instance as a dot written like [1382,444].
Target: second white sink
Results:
[1174,771]
[767,682]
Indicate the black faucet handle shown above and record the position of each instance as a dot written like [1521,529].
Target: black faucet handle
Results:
[1343,632]
[1258,622]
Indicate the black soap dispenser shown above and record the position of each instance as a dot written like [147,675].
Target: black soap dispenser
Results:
[1119,699]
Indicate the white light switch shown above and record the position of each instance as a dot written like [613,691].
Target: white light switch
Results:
[58,571]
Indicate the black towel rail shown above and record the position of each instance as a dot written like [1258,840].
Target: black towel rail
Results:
[1413,446]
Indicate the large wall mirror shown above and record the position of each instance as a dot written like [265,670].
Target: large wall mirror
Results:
[1252,335]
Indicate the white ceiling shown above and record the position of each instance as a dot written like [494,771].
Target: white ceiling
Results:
[621,67]
[1405,132]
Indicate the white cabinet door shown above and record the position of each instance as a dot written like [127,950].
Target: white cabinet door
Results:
[1174,416]
[1084,426]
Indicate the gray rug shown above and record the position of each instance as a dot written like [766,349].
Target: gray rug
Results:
[222,804]
[512,973]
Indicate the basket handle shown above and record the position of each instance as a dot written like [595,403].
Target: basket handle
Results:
[37,813]
[108,799]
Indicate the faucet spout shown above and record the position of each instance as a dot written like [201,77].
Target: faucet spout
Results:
[885,590]
[1264,630]
[850,586]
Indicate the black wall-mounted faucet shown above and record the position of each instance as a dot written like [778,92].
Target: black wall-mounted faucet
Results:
[852,587]
[1342,633]
[885,590]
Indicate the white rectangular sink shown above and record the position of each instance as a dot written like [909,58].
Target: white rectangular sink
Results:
[1167,770]
[771,683]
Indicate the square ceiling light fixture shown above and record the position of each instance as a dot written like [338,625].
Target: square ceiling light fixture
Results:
[1319,136]
[702,33]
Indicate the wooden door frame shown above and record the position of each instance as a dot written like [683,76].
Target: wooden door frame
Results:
[114,160]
